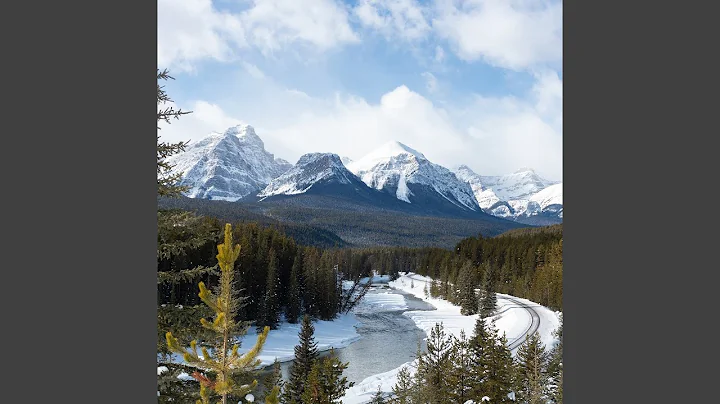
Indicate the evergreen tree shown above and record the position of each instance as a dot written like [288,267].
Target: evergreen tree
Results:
[326,383]
[480,351]
[435,289]
[311,275]
[271,304]
[488,303]
[467,298]
[167,182]
[434,366]
[499,378]
[555,369]
[294,305]
[404,388]
[306,354]
[274,396]
[224,362]
[184,242]
[378,397]
[531,370]
[273,382]
[427,290]
[460,376]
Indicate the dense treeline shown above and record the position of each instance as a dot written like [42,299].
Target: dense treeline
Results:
[331,222]
[527,231]
[281,279]
[275,275]
[525,264]
[238,213]
[481,368]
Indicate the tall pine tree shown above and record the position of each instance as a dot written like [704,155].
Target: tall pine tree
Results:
[460,376]
[491,363]
[405,388]
[555,368]
[294,303]
[467,298]
[326,383]
[531,371]
[434,366]
[488,303]
[270,312]
[306,354]
[272,385]
[166,180]
[224,362]
[480,346]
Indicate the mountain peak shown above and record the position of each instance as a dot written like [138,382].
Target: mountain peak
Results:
[464,168]
[328,158]
[311,168]
[524,170]
[227,165]
[245,133]
[395,148]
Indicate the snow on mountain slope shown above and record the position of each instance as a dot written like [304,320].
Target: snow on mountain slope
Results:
[521,184]
[486,198]
[312,168]
[552,195]
[515,196]
[228,165]
[402,171]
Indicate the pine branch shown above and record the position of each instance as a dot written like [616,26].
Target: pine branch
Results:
[186,275]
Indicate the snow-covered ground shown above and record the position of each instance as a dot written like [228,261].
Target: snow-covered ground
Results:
[511,319]
[281,342]
[336,334]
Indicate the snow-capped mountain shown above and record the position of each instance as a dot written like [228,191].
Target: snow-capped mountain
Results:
[234,165]
[407,174]
[486,198]
[312,169]
[521,184]
[229,165]
[523,195]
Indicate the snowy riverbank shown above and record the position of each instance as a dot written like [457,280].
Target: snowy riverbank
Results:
[511,319]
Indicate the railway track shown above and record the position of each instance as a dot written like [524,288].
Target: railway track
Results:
[533,326]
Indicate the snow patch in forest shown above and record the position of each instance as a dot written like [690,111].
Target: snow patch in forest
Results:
[362,392]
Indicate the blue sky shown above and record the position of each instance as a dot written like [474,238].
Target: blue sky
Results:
[476,82]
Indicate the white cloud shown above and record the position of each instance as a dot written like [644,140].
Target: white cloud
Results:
[492,135]
[394,18]
[512,34]
[548,93]
[274,24]
[192,30]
